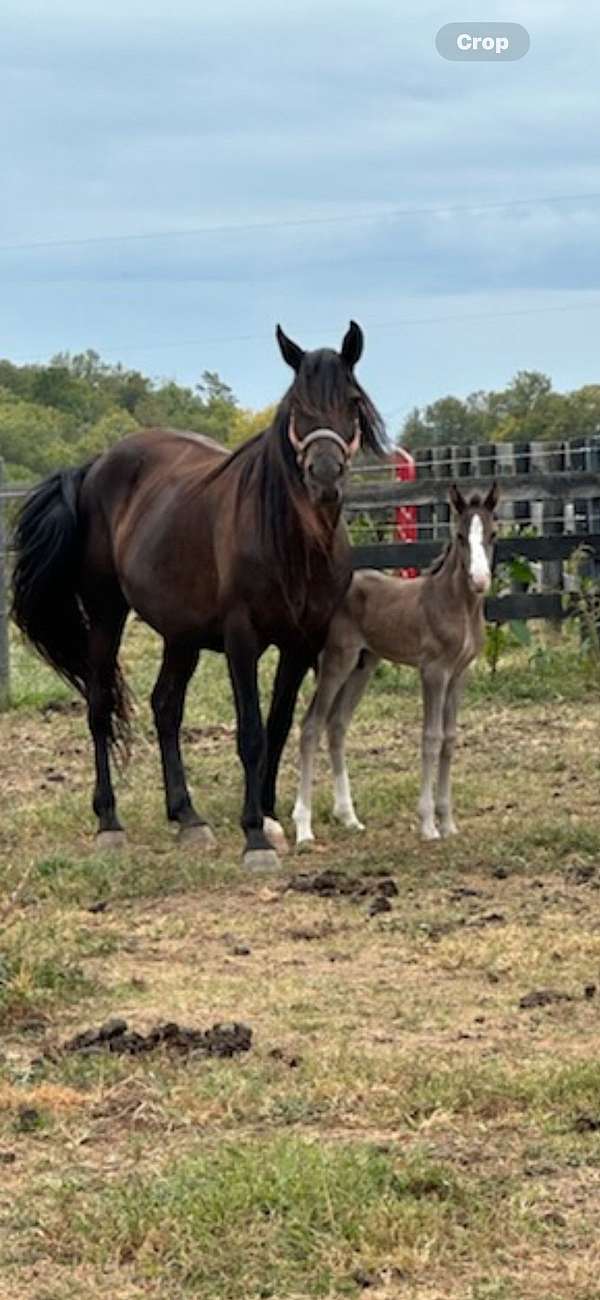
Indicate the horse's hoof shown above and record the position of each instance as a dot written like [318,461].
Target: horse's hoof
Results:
[276,835]
[110,841]
[261,860]
[199,837]
[430,833]
[305,846]
[349,821]
[450,829]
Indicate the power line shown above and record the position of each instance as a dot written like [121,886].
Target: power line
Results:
[373,325]
[390,214]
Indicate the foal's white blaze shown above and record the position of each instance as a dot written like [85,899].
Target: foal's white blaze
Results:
[479,568]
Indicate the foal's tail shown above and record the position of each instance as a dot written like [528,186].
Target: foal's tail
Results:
[46,602]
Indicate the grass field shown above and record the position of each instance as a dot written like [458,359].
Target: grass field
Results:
[402,1126]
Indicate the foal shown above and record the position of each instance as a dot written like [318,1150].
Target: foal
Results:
[434,623]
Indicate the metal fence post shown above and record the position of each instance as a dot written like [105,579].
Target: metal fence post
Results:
[4,647]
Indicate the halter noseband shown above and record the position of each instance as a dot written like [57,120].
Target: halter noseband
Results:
[301,446]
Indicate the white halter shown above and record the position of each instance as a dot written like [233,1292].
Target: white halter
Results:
[301,445]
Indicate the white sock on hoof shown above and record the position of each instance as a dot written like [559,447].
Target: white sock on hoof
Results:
[303,822]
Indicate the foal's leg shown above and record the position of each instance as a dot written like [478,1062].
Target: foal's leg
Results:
[334,669]
[290,673]
[243,651]
[104,641]
[433,685]
[443,803]
[339,720]
[168,698]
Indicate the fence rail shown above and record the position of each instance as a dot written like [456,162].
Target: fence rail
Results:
[398,555]
[567,485]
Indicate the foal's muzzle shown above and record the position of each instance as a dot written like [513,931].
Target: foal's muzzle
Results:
[481,584]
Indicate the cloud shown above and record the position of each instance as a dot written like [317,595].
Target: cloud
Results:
[132,121]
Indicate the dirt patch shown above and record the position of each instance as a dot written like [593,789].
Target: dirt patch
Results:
[212,731]
[117,1037]
[583,875]
[586,1124]
[335,884]
[543,998]
[308,933]
[69,708]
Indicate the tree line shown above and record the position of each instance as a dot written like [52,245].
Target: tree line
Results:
[79,405]
[527,410]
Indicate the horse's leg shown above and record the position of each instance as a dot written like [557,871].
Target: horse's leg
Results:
[168,698]
[290,673]
[338,722]
[243,652]
[433,685]
[443,803]
[103,647]
[334,668]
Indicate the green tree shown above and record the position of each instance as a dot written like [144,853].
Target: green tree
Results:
[32,437]
[246,423]
[527,410]
[109,429]
[449,421]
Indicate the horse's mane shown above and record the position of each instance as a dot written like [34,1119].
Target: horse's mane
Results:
[288,527]
[440,560]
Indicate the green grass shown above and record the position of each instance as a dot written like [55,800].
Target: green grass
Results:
[113,879]
[32,982]
[283,1217]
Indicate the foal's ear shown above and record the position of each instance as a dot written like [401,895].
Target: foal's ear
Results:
[289,350]
[352,345]
[457,500]
[491,500]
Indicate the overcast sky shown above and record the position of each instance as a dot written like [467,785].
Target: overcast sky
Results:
[179,177]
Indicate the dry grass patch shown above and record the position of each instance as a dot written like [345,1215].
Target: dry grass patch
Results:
[401,1118]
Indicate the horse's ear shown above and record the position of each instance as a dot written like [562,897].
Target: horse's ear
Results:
[492,498]
[289,350]
[457,500]
[352,345]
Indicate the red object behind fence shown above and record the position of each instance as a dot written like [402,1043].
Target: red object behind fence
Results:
[406,516]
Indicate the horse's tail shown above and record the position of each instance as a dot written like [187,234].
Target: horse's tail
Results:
[46,601]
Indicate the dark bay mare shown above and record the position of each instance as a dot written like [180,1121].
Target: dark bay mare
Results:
[227,552]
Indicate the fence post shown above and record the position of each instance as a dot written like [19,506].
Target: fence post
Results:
[425,514]
[593,459]
[441,511]
[4,649]
[505,468]
[553,515]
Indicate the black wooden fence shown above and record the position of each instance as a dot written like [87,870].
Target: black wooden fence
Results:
[549,508]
